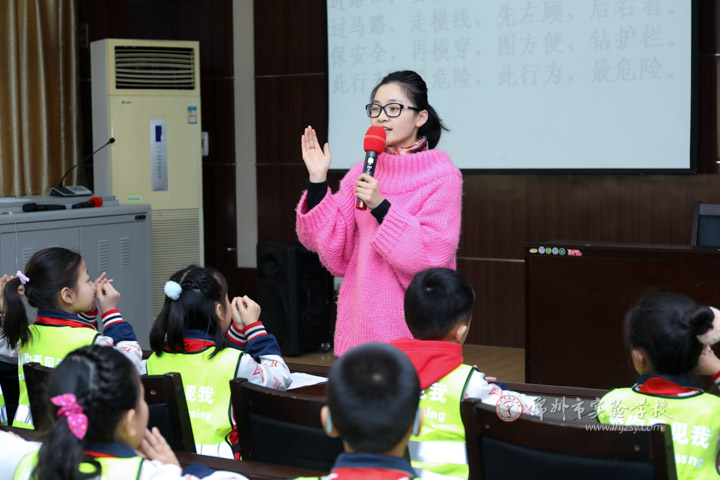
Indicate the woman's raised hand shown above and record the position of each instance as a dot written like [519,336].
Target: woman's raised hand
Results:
[317,159]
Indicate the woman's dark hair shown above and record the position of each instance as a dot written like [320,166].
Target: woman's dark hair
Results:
[437,300]
[666,326]
[49,270]
[106,385]
[373,393]
[415,88]
[202,288]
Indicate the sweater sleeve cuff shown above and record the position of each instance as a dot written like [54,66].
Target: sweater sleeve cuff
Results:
[316,192]
[313,220]
[390,234]
[236,336]
[90,317]
[381,210]
[111,317]
[254,330]
[716,378]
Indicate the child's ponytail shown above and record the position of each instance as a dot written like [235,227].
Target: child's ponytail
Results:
[433,128]
[15,322]
[104,385]
[47,272]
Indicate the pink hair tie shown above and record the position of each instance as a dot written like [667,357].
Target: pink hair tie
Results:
[77,421]
[23,278]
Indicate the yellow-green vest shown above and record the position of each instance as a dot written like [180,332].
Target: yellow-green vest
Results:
[3,409]
[695,423]
[48,346]
[439,451]
[207,392]
[112,468]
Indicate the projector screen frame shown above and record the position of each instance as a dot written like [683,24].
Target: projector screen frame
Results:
[693,143]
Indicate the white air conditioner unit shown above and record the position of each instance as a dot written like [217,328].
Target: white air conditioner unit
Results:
[146,95]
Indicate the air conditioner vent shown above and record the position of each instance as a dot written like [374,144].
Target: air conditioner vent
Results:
[154,68]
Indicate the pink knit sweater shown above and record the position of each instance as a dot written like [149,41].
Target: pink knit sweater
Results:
[378,261]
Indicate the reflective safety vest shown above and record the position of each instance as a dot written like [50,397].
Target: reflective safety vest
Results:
[48,346]
[3,409]
[207,392]
[695,423]
[112,468]
[439,451]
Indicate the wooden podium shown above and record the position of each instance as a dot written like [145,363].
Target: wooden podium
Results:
[577,294]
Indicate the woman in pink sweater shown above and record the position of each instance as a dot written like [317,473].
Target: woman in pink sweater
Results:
[413,217]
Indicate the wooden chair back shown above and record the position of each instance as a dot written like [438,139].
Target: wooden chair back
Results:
[525,447]
[37,378]
[283,428]
[165,397]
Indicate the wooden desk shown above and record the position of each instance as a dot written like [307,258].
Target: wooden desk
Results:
[563,404]
[319,370]
[576,304]
[252,470]
[32,435]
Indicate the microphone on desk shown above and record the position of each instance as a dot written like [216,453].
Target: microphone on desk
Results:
[92,203]
[37,207]
[76,191]
[373,144]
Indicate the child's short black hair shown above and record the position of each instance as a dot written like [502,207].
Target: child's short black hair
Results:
[436,301]
[373,393]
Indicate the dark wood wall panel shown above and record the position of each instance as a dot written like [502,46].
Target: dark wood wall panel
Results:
[216,92]
[290,38]
[284,106]
[279,190]
[501,212]
[219,178]
[499,301]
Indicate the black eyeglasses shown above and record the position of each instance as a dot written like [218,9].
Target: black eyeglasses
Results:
[392,110]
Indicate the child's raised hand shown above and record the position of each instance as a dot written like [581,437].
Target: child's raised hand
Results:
[487,379]
[317,159]
[101,278]
[155,447]
[708,363]
[107,297]
[3,281]
[245,311]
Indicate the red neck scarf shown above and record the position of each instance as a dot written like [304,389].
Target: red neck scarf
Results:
[420,145]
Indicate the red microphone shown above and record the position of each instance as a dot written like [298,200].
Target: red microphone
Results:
[374,144]
[93,202]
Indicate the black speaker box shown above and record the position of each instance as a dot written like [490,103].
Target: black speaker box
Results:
[294,292]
